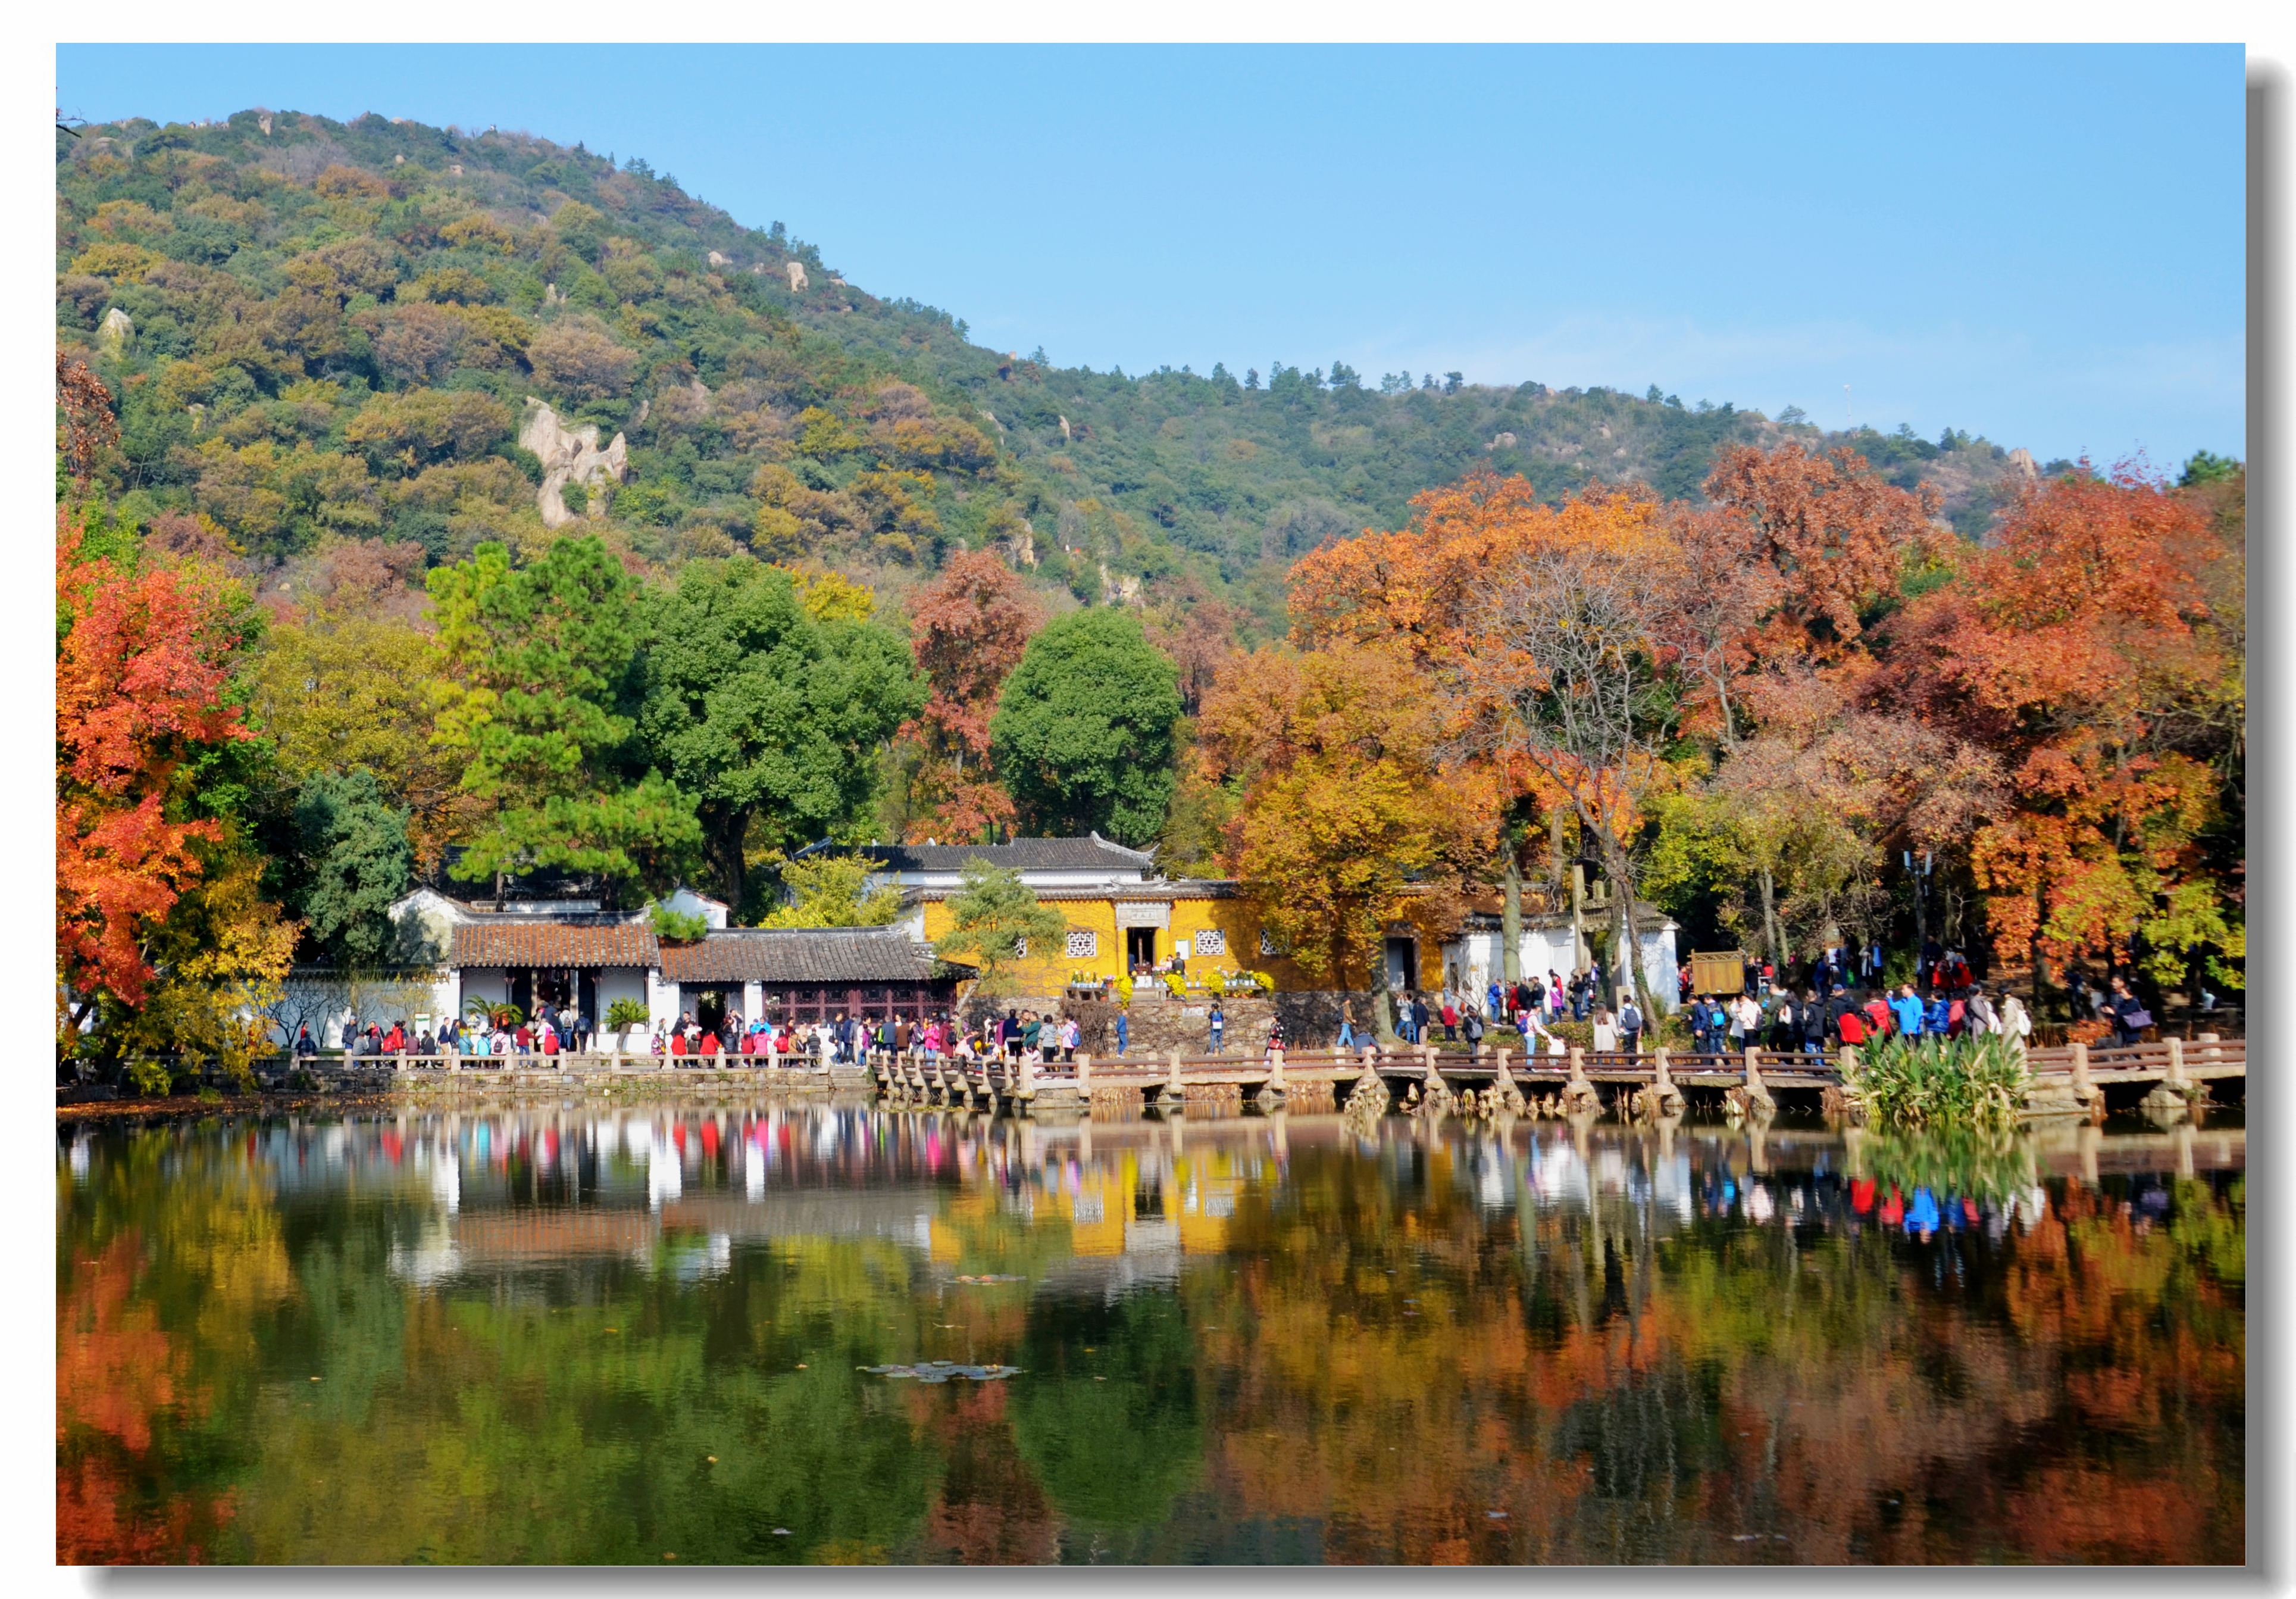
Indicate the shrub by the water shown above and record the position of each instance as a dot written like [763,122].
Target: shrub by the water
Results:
[1951,1083]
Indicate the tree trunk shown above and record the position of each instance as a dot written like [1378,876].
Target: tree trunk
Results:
[726,833]
[1629,941]
[1770,922]
[1510,917]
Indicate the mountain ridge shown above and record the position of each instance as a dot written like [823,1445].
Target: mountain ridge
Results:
[755,386]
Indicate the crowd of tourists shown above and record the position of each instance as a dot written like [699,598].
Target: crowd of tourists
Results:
[1532,1009]
[1844,1000]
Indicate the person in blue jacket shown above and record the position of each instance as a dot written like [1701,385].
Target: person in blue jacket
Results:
[1922,1214]
[1937,1018]
[1909,1012]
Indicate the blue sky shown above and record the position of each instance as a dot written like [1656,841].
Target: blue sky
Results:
[2041,244]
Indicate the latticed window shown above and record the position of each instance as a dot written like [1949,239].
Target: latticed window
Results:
[1268,944]
[1211,941]
[1083,944]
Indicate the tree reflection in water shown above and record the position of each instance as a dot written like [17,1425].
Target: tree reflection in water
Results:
[558,1333]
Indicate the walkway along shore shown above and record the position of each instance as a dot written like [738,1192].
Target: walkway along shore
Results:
[2069,1080]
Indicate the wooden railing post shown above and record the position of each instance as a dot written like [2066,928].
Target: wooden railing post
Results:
[1665,1078]
[1084,1074]
[1172,1089]
[2083,1088]
[1503,1077]
[1578,1067]
[2177,1078]
[1275,1068]
[1754,1088]
[1427,1061]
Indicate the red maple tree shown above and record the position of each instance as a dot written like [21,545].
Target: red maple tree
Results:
[2082,649]
[141,665]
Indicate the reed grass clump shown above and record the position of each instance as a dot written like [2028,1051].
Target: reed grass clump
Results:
[1973,1083]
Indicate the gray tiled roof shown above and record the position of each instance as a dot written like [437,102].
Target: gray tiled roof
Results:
[551,944]
[799,955]
[1089,853]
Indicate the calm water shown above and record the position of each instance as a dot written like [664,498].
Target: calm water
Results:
[561,1334]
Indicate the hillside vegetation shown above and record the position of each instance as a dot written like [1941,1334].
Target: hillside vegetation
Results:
[315,328]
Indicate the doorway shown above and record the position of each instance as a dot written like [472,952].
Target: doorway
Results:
[1402,964]
[709,1007]
[1139,947]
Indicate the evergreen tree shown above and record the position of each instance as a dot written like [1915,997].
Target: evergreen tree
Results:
[1082,732]
[355,861]
[767,717]
[542,659]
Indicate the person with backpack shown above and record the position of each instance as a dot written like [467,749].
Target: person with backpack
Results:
[1472,1025]
[1813,1024]
[2127,1013]
[1630,1027]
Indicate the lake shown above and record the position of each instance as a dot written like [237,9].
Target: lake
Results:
[652,1335]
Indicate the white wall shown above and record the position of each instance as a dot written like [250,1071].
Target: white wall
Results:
[685,899]
[621,983]
[662,1000]
[1476,957]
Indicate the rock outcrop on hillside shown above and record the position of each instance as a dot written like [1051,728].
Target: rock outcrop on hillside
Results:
[569,456]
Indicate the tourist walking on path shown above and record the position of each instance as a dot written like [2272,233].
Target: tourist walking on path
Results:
[1218,1027]
[1347,1026]
[1630,1026]
[1123,1032]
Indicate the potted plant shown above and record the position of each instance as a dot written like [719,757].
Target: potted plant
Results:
[621,1016]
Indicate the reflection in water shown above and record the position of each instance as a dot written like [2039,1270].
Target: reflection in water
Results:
[562,1334]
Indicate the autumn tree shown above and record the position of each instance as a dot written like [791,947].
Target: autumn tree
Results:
[161,937]
[348,680]
[1566,672]
[1835,536]
[969,628]
[2082,650]
[831,890]
[1351,821]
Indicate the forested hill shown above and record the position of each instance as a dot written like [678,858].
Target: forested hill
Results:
[314,327]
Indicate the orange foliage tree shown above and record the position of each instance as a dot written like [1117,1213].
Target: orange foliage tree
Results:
[1483,595]
[971,624]
[1351,820]
[2082,649]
